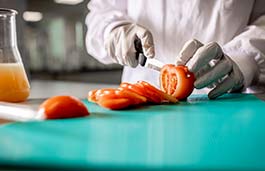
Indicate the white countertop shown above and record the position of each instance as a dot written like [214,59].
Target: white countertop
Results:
[41,89]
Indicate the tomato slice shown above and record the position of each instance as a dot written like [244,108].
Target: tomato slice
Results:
[163,96]
[152,96]
[92,96]
[177,81]
[128,93]
[122,93]
[133,87]
[58,107]
[104,97]
[138,89]
[115,104]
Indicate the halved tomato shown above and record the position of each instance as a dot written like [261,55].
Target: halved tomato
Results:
[177,81]
[58,107]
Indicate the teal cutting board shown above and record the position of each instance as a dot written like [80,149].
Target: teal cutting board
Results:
[224,134]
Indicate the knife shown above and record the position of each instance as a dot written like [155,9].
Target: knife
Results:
[143,60]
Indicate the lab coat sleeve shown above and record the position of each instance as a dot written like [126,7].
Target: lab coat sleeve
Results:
[248,51]
[104,15]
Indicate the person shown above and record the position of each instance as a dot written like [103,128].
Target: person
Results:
[221,41]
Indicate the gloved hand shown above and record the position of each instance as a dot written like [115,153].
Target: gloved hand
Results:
[212,68]
[120,44]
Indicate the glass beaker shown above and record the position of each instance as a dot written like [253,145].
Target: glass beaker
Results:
[14,84]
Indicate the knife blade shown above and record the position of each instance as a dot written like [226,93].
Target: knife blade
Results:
[143,60]
[150,63]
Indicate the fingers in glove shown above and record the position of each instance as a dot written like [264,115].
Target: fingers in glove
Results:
[202,71]
[188,50]
[110,48]
[222,68]
[130,59]
[223,87]
[147,42]
[204,55]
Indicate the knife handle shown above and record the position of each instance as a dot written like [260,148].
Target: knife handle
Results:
[139,52]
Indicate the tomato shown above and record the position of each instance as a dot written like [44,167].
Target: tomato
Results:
[177,81]
[138,89]
[92,95]
[115,104]
[134,98]
[152,96]
[119,98]
[127,93]
[163,96]
[58,107]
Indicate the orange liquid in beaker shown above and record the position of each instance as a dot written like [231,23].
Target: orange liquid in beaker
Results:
[14,85]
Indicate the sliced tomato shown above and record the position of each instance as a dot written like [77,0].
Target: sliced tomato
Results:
[163,96]
[122,93]
[115,104]
[104,97]
[136,89]
[92,96]
[141,90]
[177,81]
[130,94]
[152,96]
[58,107]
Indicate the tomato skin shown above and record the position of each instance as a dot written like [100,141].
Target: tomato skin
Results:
[59,107]
[177,81]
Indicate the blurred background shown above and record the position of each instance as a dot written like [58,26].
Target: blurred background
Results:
[51,39]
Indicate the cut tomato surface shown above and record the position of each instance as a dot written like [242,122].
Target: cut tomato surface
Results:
[152,96]
[162,95]
[59,107]
[92,95]
[104,97]
[130,94]
[133,87]
[138,89]
[127,95]
[177,81]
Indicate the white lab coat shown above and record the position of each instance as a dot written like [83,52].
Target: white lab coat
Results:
[173,22]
